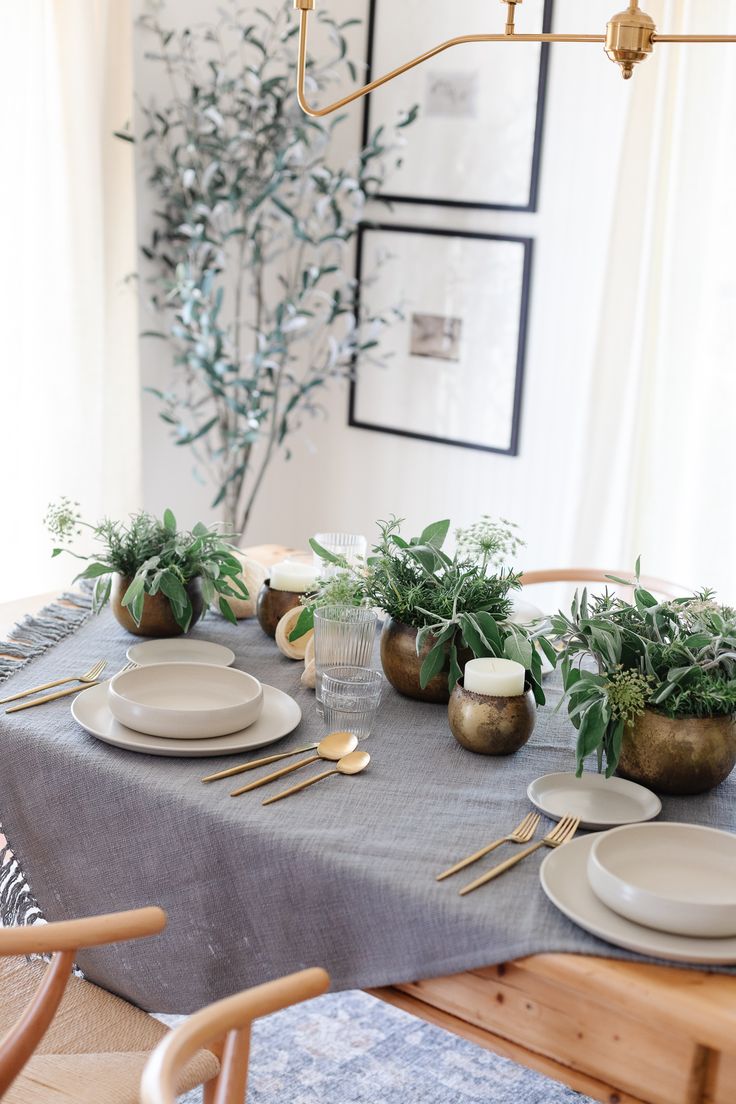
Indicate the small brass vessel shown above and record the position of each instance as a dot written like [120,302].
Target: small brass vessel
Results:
[683,755]
[490,725]
[272,605]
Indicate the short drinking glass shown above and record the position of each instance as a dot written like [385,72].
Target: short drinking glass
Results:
[350,696]
[343,637]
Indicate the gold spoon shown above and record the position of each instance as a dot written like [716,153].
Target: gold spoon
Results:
[333,747]
[264,762]
[353,763]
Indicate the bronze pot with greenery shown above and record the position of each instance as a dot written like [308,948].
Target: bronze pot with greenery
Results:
[441,610]
[160,580]
[651,686]
[678,755]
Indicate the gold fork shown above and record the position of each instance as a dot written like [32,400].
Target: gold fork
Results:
[89,676]
[561,833]
[522,833]
[64,693]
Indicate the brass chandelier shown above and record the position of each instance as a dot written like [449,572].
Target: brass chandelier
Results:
[630,37]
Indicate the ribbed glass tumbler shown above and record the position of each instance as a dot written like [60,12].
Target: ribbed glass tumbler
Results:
[343,637]
[350,697]
[352,546]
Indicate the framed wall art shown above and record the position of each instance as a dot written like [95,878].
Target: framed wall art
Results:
[478,138]
[455,361]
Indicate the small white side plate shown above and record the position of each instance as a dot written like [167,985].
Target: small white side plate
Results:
[280,716]
[179,650]
[564,880]
[600,802]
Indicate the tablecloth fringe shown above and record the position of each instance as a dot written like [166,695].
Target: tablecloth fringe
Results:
[17,903]
[33,635]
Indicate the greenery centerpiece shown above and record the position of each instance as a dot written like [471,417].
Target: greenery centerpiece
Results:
[251,254]
[441,609]
[161,579]
[651,685]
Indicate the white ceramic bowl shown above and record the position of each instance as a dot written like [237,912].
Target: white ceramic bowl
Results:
[677,878]
[185,701]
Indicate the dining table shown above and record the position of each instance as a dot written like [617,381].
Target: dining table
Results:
[343,876]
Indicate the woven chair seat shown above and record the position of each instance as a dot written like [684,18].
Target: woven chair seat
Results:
[95,1049]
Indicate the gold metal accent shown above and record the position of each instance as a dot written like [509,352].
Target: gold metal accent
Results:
[562,832]
[522,833]
[334,747]
[629,39]
[353,763]
[629,36]
[89,676]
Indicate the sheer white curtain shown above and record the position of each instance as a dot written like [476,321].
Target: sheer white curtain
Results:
[659,469]
[69,390]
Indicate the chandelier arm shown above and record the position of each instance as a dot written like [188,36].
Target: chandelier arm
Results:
[693,38]
[318,113]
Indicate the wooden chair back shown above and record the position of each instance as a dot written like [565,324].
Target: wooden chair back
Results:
[224,1027]
[63,940]
[596,575]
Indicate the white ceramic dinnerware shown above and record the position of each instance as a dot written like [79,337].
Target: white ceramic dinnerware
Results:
[179,650]
[600,802]
[564,880]
[185,701]
[279,717]
[677,878]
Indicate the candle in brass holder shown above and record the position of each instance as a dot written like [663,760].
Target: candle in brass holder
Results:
[496,712]
[283,591]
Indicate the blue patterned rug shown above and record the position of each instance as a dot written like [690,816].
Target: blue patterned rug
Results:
[349,1048]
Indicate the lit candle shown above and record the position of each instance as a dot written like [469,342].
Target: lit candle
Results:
[499,678]
[295,577]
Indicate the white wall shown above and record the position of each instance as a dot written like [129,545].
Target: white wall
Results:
[345,478]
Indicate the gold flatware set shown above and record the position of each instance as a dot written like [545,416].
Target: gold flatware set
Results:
[562,833]
[88,679]
[338,747]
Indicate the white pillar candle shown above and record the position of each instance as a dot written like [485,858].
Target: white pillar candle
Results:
[500,678]
[295,577]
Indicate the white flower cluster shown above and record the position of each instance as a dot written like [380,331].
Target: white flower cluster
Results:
[489,541]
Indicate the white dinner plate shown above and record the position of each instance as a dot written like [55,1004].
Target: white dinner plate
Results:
[564,880]
[279,717]
[178,649]
[600,802]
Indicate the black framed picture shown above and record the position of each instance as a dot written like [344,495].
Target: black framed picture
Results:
[478,139]
[455,361]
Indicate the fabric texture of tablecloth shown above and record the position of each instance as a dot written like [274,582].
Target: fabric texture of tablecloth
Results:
[342,876]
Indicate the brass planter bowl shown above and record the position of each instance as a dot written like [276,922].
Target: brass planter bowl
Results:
[490,725]
[272,605]
[158,616]
[687,755]
[401,664]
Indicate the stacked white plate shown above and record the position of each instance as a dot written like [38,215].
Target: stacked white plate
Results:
[185,700]
[665,890]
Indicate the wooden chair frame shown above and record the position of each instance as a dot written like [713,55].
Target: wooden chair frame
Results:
[224,1027]
[63,939]
[597,575]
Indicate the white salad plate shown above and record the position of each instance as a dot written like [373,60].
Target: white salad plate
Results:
[279,717]
[565,881]
[600,802]
[186,701]
[179,650]
[677,878]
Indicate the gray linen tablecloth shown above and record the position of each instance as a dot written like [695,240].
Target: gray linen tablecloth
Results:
[341,876]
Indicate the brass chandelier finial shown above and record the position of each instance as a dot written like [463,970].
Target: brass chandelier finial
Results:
[629,39]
